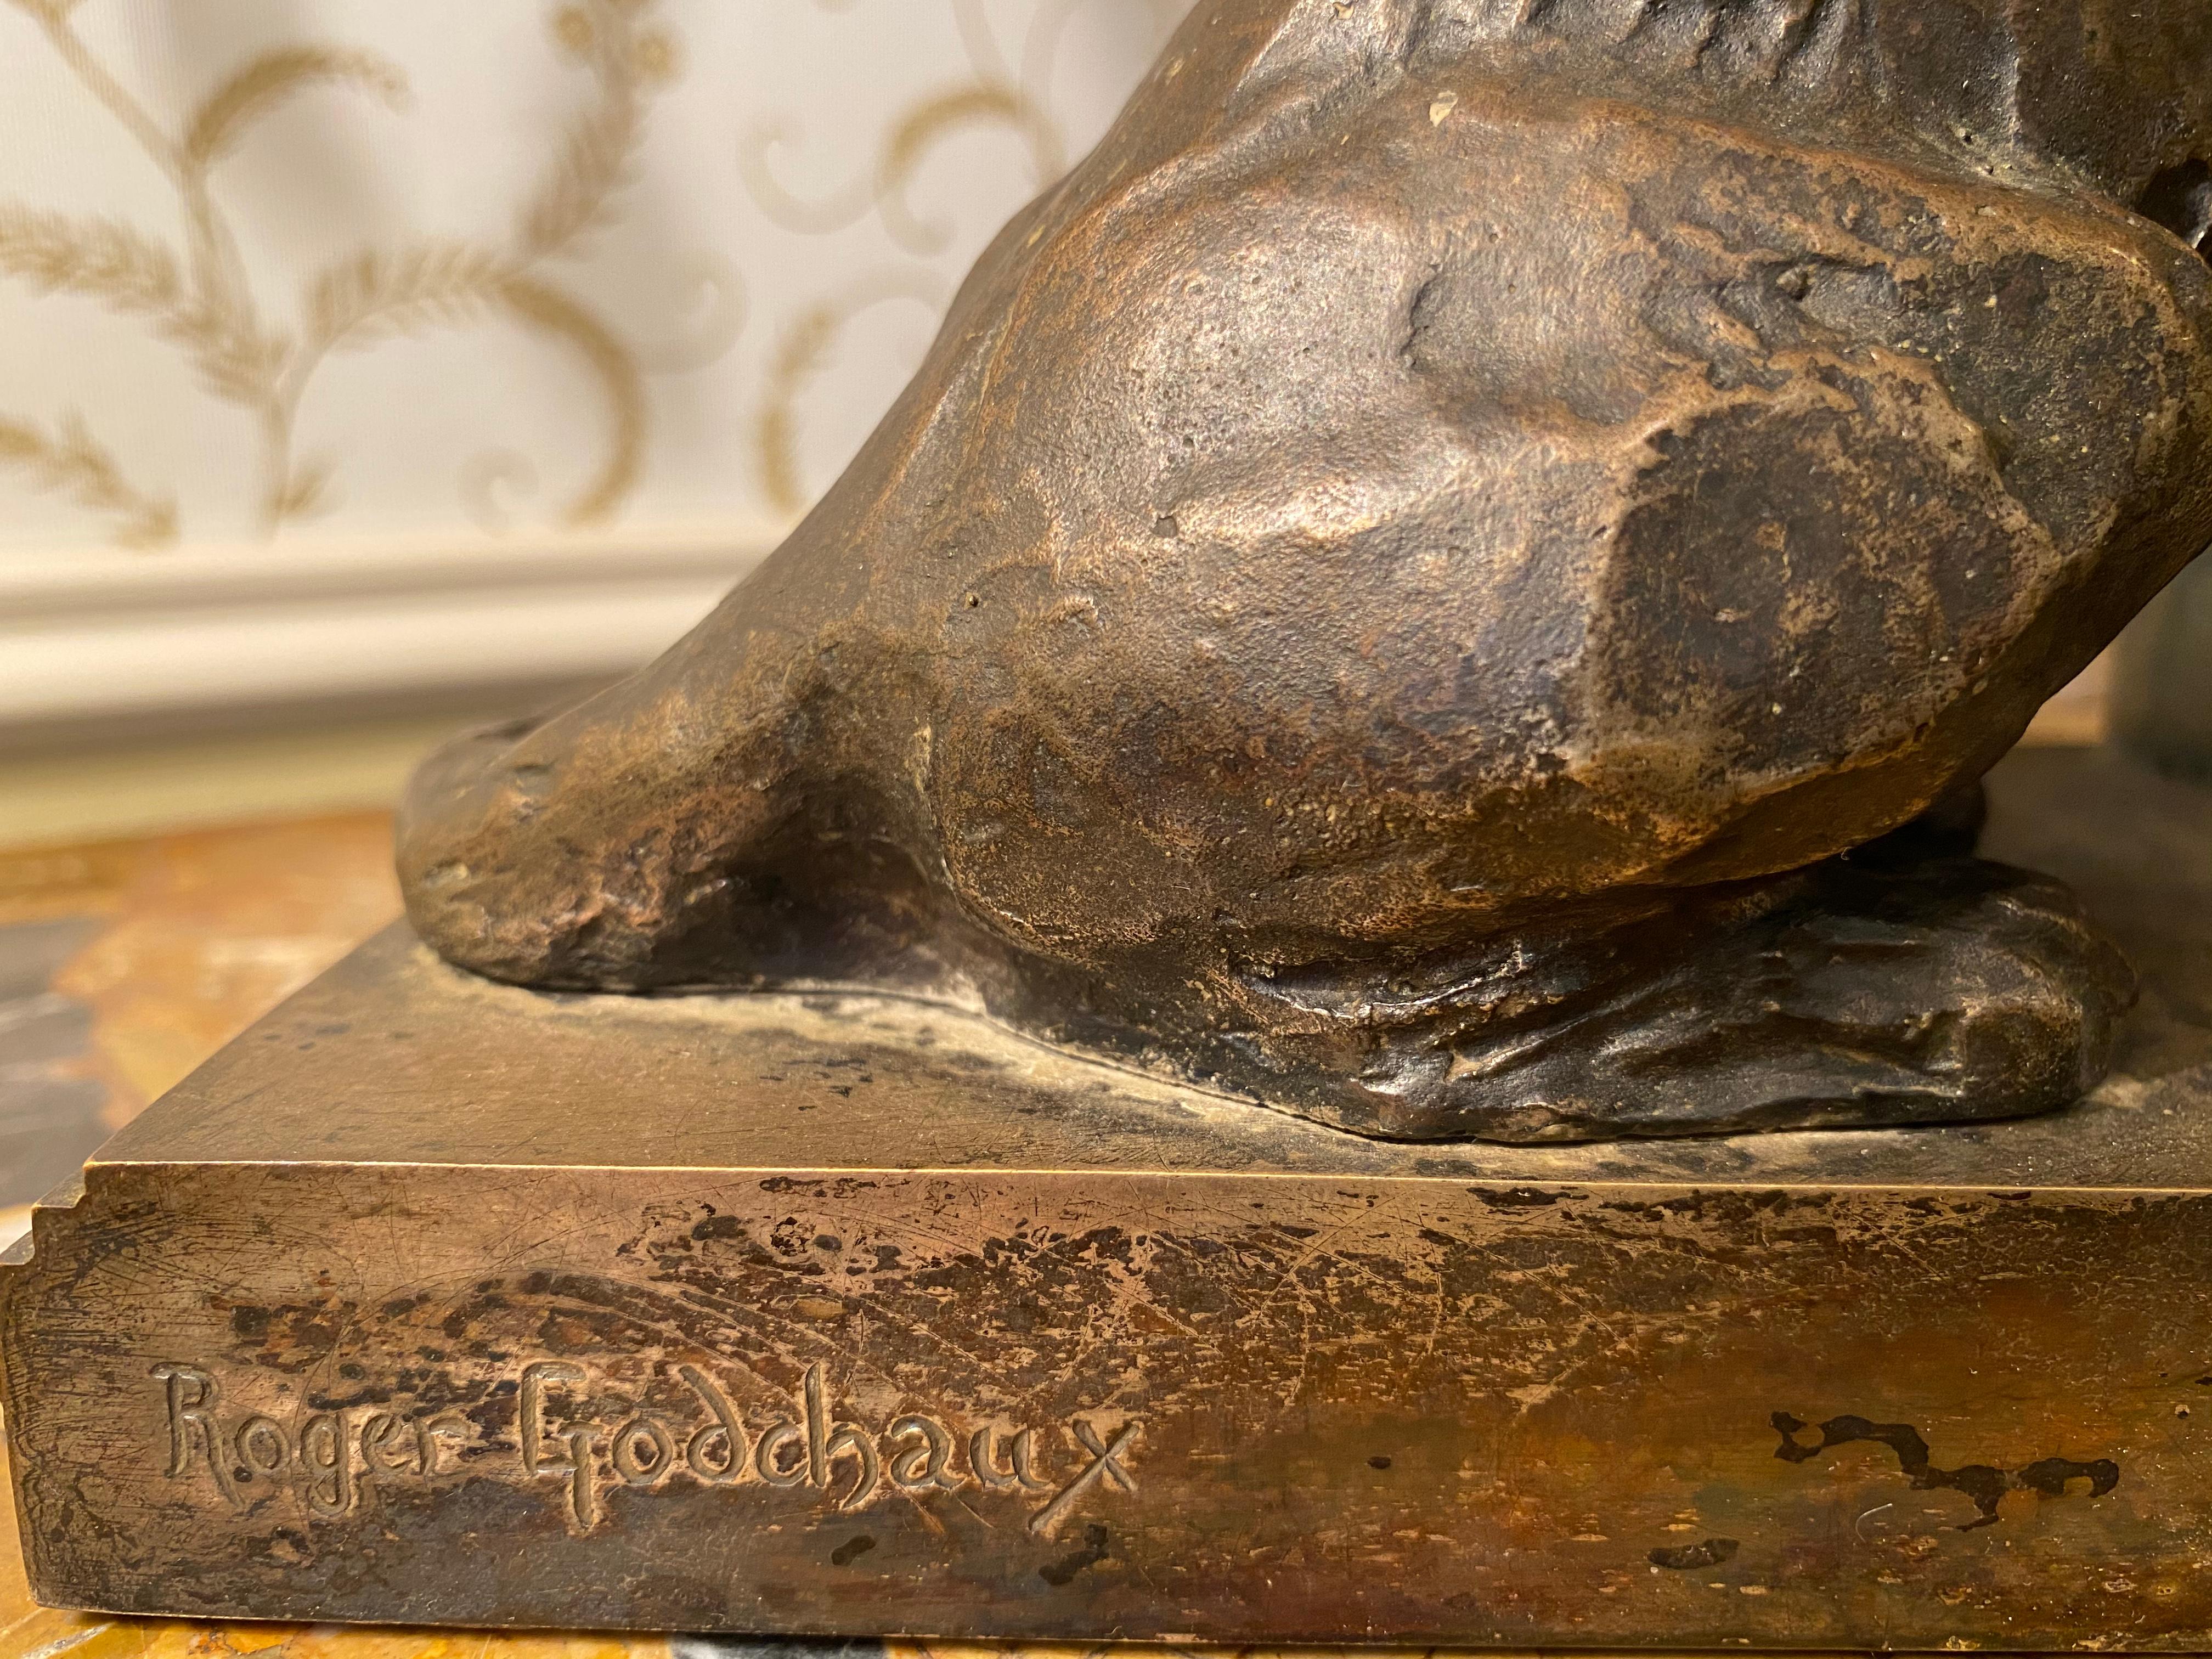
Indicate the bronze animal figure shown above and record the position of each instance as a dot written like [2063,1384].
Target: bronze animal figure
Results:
[1456,577]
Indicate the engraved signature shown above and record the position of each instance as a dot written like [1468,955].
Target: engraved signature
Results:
[326,1456]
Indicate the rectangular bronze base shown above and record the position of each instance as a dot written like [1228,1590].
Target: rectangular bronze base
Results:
[434,1301]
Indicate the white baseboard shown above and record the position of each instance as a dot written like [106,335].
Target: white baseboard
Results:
[105,636]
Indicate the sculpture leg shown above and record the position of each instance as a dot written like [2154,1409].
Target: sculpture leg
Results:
[604,848]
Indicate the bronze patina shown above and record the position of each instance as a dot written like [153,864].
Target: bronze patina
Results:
[1459,577]
[435,1300]
[1434,582]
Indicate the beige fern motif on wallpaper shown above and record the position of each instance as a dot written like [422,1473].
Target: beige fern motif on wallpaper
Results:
[193,294]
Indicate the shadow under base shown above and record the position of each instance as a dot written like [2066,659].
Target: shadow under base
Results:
[434,1301]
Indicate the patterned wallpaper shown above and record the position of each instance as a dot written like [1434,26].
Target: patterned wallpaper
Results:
[277,270]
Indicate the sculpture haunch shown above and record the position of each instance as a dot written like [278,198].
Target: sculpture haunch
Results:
[1430,582]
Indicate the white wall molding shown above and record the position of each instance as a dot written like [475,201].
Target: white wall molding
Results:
[106,636]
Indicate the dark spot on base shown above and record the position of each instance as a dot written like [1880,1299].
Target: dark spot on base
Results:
[851,1550]
[1516,1198]
[1379,1461]
[1985,1485]
[1063,1571]
[288,1548]
[1711,1553]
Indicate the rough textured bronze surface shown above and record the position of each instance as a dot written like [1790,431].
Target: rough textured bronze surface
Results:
[436,1300]
[1400,577]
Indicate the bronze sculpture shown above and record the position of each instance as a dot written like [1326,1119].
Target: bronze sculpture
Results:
[1456,577]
